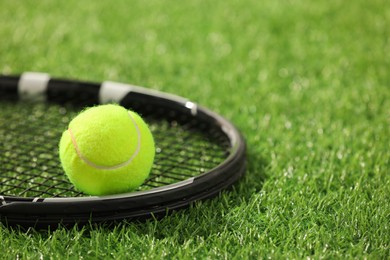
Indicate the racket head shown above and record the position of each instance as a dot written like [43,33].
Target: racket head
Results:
[198,152]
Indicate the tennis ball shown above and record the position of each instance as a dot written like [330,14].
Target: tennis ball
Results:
[107,149]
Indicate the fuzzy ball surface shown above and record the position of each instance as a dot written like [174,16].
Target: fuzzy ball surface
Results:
[107,149]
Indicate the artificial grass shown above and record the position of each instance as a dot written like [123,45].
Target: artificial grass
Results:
[307,82]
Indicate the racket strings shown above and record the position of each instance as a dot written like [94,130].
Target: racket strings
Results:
[187,150]
[30,132]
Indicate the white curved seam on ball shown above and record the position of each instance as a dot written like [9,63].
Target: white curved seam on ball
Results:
[103,167]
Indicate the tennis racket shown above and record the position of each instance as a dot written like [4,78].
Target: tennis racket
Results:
[198,152]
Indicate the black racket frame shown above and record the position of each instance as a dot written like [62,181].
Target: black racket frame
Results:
[158,201]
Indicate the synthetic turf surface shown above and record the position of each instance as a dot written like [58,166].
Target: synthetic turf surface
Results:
[307,82]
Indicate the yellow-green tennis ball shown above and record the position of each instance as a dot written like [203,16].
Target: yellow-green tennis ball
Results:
[107,149]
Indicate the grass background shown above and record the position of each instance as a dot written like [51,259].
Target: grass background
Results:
[307,82]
